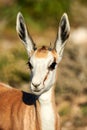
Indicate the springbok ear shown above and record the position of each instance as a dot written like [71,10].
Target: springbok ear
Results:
[63,34]
[24,35]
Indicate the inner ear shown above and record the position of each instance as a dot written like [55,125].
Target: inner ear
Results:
[63,26]
[22,31]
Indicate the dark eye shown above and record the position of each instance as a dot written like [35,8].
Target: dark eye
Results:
[52,66]
[30,65]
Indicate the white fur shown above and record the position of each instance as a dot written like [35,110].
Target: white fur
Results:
[47,112]
[39,72]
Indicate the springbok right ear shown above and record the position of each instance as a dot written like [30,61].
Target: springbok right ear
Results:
[24,35]
[63,34]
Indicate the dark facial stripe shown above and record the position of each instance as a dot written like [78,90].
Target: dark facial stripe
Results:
[46,77]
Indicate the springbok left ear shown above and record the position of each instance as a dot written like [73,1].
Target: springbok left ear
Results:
[63,34]
[24,34]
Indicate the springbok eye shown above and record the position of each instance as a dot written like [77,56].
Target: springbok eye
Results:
[30,65]
[52,66]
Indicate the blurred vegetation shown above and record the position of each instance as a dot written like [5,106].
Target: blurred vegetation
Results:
[41,13]
[84,2]
[45,12]
[13,69]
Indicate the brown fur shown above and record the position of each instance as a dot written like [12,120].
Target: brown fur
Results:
[42,52]
[54,54]
[19,110]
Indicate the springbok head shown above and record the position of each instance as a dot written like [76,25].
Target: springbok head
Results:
[43,61]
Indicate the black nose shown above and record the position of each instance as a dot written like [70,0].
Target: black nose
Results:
[36,85]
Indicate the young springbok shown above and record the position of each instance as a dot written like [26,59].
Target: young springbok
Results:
[36,110]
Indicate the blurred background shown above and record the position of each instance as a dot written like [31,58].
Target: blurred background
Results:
[42,18]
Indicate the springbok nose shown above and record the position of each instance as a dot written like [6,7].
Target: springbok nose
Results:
[36,85]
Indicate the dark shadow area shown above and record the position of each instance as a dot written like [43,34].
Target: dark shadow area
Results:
[29,98]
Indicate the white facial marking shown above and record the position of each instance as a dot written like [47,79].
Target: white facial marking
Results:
[42,77]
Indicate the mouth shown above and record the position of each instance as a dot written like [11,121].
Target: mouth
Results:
[37,91]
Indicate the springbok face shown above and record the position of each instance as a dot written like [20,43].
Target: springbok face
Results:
[43,62]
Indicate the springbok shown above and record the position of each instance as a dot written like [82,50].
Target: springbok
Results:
[36,110]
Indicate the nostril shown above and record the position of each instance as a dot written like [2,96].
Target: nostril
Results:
[36,85]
